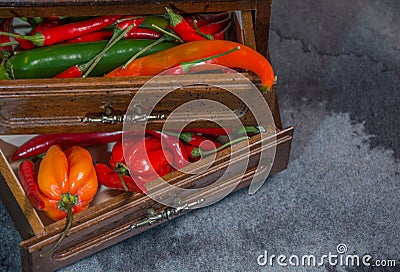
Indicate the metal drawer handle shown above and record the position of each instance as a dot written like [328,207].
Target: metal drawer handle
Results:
[109,118]
[166,214]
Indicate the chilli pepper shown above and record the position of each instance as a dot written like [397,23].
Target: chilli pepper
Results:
[244,58]
[65,32]
[5,42]
[206,18]
[127,21]
[66,184]
[183,28]
[92,37]
[28,179]
[84,69]
[45,24]
[137,33]
[46,62]
[41,143]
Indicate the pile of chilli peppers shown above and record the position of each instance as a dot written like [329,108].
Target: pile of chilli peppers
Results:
[123,45]
[60,177]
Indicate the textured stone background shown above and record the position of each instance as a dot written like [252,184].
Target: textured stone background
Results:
[338,64]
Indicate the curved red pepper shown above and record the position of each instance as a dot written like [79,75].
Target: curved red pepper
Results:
[240,56]
[28,179]
[183,28]
[41,143]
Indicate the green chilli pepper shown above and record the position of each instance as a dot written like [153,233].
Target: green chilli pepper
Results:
[46,62]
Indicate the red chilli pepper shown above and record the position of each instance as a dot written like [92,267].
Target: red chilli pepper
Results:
[42,143]
[6,27]
[46,24]
[127,21]
[175,146]
[92,37]
[138,33]
[143,33]
[183,28]
[65,32]
[28,179]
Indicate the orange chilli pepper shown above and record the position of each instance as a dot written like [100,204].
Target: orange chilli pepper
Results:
[216,50]
[67,182]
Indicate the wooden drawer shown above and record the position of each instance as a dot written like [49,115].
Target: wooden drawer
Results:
[66,105]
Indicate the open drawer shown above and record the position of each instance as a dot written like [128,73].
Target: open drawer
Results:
[42,106]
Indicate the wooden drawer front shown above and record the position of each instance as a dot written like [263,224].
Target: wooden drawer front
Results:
[110,226]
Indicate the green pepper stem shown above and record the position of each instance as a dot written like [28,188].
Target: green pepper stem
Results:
[207,36]
[184,136]
[88,67]
[122,170]
[37,38]
[167,33]
[123,182]
[8,43]
[244,130]
[186,66]
[160,40]
[66,205]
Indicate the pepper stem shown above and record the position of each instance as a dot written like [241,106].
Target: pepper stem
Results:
[36,39]
[244,130]
[207,36]
[184,136]
[122,170]
[186,66]
[160,40]
[66,204]
[167,33]
[8,43]
[117,36]
[198,152]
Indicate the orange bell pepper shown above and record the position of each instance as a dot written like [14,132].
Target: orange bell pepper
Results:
[67,183]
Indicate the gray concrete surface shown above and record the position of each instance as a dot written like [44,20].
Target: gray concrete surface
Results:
[338,64]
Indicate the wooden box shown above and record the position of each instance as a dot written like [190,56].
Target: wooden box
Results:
[65,105]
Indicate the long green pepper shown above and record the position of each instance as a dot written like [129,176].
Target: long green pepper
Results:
[46,62]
